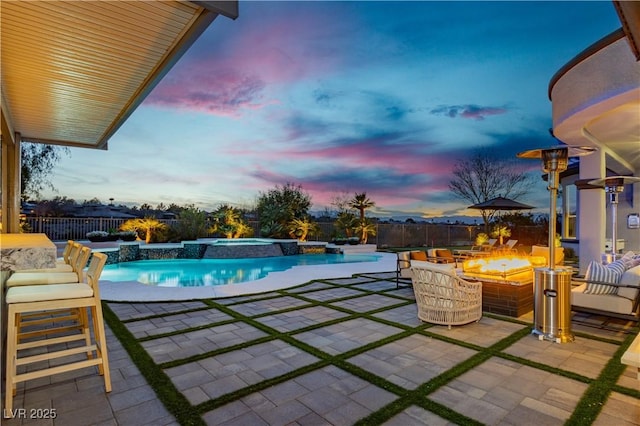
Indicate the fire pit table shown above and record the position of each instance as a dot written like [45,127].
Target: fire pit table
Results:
[507,282]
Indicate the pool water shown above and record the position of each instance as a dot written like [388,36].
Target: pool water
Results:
[211,272]
[243,242]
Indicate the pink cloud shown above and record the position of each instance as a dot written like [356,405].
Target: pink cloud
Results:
[385,185]
[474,112]
[218,91]
[406,158]
[233,76]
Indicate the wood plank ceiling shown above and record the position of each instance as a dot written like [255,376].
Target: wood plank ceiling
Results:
[73,71]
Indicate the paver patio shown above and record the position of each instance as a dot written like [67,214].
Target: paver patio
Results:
[338,352]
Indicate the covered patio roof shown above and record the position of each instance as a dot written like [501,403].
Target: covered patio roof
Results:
[73,72]
[596,96]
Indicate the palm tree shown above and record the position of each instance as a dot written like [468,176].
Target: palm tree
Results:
[300,228]
[148,225]
[366,228]
[501,231]
[360,202]
[346,221]
[229,221]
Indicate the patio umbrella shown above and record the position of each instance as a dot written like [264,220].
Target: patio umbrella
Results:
[501,203]
[497,204]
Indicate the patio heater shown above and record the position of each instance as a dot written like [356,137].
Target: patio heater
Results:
[552,285]
[614,185]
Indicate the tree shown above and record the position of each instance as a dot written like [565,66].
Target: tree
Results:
[486,175]
[346,222]
[361,202]
[192,223]
[301,228]
[37,164]
[175,209]
[341,203]
[514,219]
[228,221]
[365,228]
[92,202]
[148,225]
[58,206]
[278,207]
[500,232]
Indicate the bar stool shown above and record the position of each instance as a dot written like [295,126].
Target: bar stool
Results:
[41,298]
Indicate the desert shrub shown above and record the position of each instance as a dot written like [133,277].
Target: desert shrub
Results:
[191,225]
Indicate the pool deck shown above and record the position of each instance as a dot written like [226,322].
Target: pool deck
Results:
[337,352]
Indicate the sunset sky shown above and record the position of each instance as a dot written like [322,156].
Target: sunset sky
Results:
[343,97]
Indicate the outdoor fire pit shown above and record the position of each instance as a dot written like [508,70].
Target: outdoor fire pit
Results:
[507,282]
[505,267]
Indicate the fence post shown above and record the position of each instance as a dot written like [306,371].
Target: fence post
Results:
[426,235]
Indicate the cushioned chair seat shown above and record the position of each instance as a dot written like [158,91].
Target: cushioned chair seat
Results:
[38,278]
[48,292]
[601,302]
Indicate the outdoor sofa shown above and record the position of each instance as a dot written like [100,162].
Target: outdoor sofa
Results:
[612,290]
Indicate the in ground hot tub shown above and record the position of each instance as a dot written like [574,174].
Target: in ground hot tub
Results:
[250,247]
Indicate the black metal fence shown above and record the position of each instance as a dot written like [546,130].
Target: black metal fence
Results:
[387,234]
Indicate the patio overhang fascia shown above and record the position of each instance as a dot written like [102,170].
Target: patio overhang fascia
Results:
[629,14]
[596,102]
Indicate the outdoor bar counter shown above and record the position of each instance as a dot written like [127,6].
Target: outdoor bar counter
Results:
[18,252]
[26,251]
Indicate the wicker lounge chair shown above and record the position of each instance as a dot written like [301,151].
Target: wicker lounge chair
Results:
[443,297]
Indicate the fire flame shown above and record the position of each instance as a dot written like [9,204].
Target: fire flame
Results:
[500,265]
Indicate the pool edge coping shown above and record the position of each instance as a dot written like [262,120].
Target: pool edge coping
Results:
[133,291]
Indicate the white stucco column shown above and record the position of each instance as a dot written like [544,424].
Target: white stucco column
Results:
[592,216]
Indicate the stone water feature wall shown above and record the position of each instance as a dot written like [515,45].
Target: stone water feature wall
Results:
[241,251]
[128,252]
[238,251]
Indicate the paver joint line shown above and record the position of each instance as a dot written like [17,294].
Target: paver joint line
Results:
[347,351]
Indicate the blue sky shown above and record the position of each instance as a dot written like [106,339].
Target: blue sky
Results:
[343,97]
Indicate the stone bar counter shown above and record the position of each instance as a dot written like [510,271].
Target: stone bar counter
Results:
[26,251]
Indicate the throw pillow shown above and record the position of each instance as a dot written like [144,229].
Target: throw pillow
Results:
[418,255]
[635,260]
[444,256]
[628,259]
[604,274]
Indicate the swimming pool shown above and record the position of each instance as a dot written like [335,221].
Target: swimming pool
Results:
[214,272]
[244,242]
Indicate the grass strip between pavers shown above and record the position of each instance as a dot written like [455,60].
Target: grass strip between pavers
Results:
[584,413]
[171,398]
[418,396]
[596,395]
[154,316]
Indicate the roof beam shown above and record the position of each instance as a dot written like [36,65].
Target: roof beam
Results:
[629,14]
[6,125]
[225,7]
